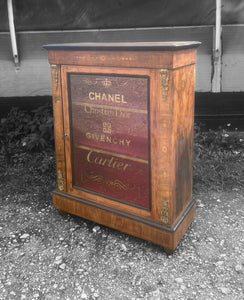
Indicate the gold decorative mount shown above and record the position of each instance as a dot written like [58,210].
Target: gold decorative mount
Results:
[60,180]
[54,72]
[165,211]
[164,75]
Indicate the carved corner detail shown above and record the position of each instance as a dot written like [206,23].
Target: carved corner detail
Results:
[164,75]
[165,211]
[60,180]
[54,72]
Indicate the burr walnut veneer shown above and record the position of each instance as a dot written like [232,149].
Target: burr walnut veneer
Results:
[123,116]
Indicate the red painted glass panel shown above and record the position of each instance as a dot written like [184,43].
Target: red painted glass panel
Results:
[110,135]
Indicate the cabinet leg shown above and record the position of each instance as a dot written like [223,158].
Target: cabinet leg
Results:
[169,251]
[62,212]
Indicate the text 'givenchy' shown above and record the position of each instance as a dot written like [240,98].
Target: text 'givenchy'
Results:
[107,139]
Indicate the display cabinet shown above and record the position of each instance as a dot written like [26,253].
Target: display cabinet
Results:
[123,118]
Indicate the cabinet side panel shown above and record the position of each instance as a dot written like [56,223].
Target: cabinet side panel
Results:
[58,127]
[161,148]
[183,111]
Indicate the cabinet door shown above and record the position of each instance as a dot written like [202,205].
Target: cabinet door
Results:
[106,113]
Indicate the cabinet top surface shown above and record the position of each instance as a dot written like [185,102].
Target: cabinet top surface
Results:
[130,46]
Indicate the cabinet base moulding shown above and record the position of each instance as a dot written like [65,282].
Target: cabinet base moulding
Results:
[146,229]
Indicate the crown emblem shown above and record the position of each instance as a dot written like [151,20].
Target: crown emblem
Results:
[106,82]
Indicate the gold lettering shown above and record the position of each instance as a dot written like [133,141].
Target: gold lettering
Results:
[114,163]
[97,96]
[123,114]
[100,161]
[111,97]
[122,99]
[122,142]
[107,139]
[120,165]
[102,138]
[125,166]
[110,162]
[88,156]
[117,98]
[89,109]
[104,98]
[91,95]
[99,111]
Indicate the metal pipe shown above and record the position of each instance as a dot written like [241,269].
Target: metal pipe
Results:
[217,51]
[12,32]
[218,26]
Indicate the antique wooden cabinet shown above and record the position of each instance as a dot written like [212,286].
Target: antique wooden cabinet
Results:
[123,116]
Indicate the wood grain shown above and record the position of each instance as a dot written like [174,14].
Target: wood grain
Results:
[59,128]
[127,59]
[182,137]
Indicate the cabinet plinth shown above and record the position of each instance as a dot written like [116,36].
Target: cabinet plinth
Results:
[123,120]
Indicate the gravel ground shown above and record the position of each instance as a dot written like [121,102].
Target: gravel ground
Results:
[45,255]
